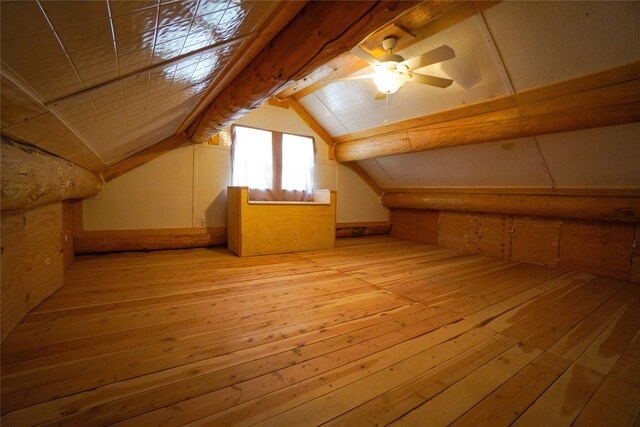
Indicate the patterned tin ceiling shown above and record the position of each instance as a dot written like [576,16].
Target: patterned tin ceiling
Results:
[123,75]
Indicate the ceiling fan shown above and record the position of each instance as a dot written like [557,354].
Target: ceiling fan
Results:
[392,71]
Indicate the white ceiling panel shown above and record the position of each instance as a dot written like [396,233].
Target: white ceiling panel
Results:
[323,115]
[550,41]
[475,74]
[607,157]
[123,75]
[514,163]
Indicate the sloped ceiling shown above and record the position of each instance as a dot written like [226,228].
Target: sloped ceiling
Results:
[98,81]
[601,158]
[123,75]
[508,48]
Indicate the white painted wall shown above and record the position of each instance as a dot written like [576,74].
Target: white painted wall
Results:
[356,200]
[187,186]
[158,194]
[605,157]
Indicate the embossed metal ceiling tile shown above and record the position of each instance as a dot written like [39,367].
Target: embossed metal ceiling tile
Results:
[207,22]
[136,43]
[98,54]
[209,6]
[87,119]
[85,36]
[102,72]
[134,89]
[122,7]
[188,62]
[165,51]
[21,18]
[227,32]
[110,103]
[133,68]
[63,14]
[156,85]
[236,13]
[44,69]
[179,29]
[140,59]
[176,11]
[75,107]
[63,85]
[196,41]
[137,22]
[31,48]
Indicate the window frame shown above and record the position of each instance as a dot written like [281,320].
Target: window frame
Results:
[276,152]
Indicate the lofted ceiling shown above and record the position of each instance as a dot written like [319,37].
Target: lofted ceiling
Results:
[101,83]
[508,48]
[123,75]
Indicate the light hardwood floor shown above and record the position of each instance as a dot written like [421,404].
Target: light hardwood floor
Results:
[376,331]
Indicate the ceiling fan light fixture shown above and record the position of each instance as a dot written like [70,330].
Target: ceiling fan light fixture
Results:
[388,79]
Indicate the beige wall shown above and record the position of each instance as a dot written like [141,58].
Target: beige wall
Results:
[187,186]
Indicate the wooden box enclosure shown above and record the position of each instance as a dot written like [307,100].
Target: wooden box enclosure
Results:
[258,228]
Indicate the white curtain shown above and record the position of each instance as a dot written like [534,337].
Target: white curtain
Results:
[252,164]
[298,159]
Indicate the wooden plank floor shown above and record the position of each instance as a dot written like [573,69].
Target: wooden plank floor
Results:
[377,331]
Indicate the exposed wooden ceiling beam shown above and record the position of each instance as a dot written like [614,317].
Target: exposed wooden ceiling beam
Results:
[604,99]
[319,33]
[31,178]
[144,156]
[428,18]
[625,209]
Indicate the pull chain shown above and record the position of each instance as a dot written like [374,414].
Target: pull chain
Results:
[386,109]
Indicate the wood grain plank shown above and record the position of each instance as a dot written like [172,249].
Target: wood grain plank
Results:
[535,240]
[369,332]
[447,406]
[597,247]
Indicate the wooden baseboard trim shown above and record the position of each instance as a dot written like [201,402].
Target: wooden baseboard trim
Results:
[357,229]
[103,241]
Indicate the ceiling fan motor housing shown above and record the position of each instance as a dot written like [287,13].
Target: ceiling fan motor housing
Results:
[389,43]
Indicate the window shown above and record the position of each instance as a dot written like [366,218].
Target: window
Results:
[274,165]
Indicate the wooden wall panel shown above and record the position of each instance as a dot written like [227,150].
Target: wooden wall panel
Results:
[535,240]
[14,251]
[602,248]
[68,214]
[635,256]
[416,225]
[490,234]
[32,260]
[43,234]
[453,230]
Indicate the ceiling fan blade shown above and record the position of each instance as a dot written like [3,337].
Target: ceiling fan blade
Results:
[430,80]
[365,56]
[434,56]
[358,77]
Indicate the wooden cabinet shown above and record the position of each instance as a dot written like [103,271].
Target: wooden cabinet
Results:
[258,228]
